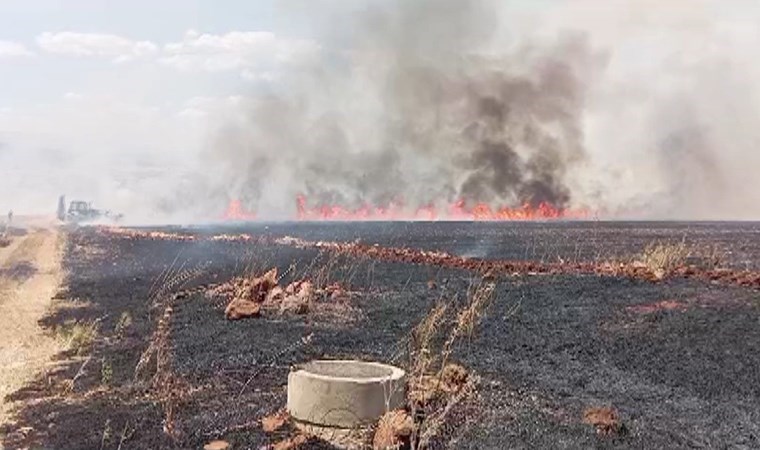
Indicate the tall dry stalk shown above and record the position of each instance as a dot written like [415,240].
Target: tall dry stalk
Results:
[432,392]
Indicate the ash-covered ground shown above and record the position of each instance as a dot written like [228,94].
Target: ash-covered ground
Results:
[676,359]
[572,240]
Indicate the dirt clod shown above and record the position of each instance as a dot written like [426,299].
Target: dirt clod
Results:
[297,297]
[274,422]
[605,419]
[217,445]
[247,295]
[241,309]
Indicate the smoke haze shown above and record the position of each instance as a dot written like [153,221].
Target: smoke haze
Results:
[419,109]
[633,109]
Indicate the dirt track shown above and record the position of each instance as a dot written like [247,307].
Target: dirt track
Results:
[29,275]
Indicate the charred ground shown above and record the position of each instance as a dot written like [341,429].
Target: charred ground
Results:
[676,359]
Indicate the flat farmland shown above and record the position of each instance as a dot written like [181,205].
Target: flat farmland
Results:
[655,322]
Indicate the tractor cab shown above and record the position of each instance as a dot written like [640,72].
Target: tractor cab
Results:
[79,207]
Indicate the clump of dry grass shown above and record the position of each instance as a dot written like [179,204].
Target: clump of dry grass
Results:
[661,259]
[394,430]
[436,385]
[78,337]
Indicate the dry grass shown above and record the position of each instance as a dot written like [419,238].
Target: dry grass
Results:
[661,259]
[436,385]
[78,337]
[394,430]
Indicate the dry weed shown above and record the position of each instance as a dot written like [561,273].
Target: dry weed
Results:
[661,259]
[394,430]
[436,386]
[78,337]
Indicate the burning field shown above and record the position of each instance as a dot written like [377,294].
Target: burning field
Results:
[514,334]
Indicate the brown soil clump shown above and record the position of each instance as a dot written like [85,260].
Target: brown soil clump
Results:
[217,445]
[253,297]
[605,419]
[274,422]
[248,294]
[242,309]
[297,297]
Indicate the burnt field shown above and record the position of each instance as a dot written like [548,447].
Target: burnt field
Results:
[674,358]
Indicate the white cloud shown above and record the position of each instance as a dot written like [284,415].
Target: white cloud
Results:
[251,52]
[9,49]
[119,48]
[259,56]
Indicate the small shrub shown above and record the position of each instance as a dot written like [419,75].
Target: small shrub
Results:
[106,372]
[125,321]
[78,337]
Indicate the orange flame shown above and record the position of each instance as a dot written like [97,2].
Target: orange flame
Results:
[236,212]
[455,211]
[394,211]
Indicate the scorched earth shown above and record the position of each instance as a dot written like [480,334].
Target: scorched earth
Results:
[569,334]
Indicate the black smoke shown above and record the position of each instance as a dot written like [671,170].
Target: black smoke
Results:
[419,106]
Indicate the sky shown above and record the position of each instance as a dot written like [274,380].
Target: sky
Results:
[98,96]
[106,85]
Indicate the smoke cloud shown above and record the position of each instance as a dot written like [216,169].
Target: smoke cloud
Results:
[418,108]
[629,108]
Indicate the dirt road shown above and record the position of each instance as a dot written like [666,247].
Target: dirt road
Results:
[29,276]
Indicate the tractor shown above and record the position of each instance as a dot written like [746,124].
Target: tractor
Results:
[83,212]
